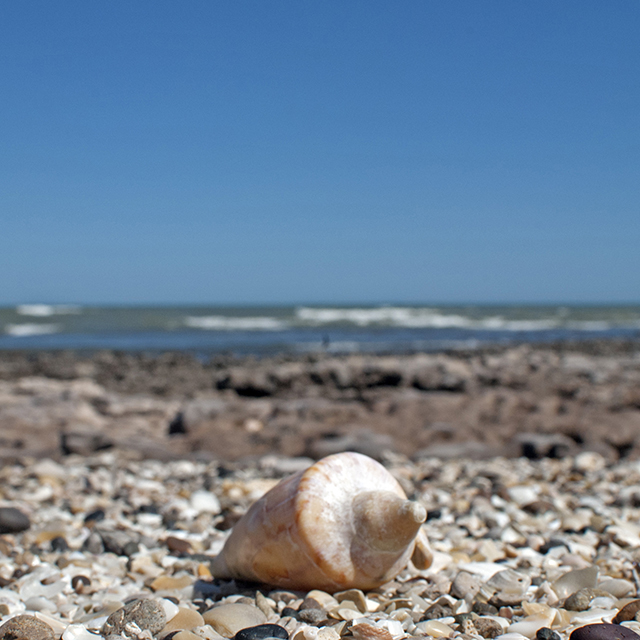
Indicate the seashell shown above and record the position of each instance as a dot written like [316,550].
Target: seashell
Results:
[343,523]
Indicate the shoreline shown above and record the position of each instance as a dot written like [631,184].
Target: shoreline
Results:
[552,400]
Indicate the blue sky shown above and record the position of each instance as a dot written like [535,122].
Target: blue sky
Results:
[267,151]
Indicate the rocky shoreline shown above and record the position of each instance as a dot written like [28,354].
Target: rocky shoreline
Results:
[537,401]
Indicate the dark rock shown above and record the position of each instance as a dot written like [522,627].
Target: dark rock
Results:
[80,583]
[13,521]
[59,544]
[147,614]
[544,445]
[580,600]
[24,626]
[289,612]
[262,631]
[603,631]
[547,634]
[94,516]
[178,425]
[628,612]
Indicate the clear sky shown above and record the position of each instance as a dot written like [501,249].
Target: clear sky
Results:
[234,151]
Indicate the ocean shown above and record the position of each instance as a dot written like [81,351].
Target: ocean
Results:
[207,330]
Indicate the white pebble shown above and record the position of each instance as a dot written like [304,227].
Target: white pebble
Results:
[77,632]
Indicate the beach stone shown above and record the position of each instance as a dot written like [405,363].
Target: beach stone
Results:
[165,583]
[185,619]
[465,585]
[24,626]
[228,619]
[353,595]
[368,631]
[261,631]
[311,616]
[547,634]
[440,609]
[508,587]
[13,520]
[487,627]
[628,612]
[147,614]
[119,542]
[603,631]
[484,609]
[575,580]
[581,599]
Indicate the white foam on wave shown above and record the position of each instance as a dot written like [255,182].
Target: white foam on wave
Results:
[46,310]
[30,329]
[394,316]
[225,323]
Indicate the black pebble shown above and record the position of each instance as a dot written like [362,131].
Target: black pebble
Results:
[603,631]
[262,631]
[13,521]
[289,611]
[94,516]
[547,634]
[59,544]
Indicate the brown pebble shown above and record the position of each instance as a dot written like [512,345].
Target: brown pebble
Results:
[167,583]
[487,627]
[367,631]
[178,545]
[80,584]
[628,612]
[24,626]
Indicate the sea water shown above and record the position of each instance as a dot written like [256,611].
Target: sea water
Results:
[262,330]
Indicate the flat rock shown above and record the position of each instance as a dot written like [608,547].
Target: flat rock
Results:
[185,619]
[262,631]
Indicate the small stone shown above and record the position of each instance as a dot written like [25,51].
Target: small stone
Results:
[484,609]
[13,520]
[508,586]
[575,580]
[547,634]
[487,627]
[178,545]
[368,631]
[59,544]
[93,544]
[628,612]
[228,619]
[80,584]
[603,631]
[440,609]
[119,542]
[147,614]
[311,616]
[185,619]
[24,626]
[353,595]
[261,631]
[580,600]
[167,583]
[95,516]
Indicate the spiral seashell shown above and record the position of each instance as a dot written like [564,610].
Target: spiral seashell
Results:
[343,523]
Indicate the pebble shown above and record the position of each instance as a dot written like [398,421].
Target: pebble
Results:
[487,627]
[262,631]
[628,612]
[13,520]
[603,632]
[147,614]
[25,626]
[465,585]
[547,634]
[228,619]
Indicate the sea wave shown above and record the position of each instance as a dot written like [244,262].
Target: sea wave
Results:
[46,310]
[225,323]
[389,316]
[30,329]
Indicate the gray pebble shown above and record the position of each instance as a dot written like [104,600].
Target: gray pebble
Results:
[119,542]
[311,616]
[24,626]
[603,631]
[547,634]
[13,521]
[93,544]
[147,614]
[440,609]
